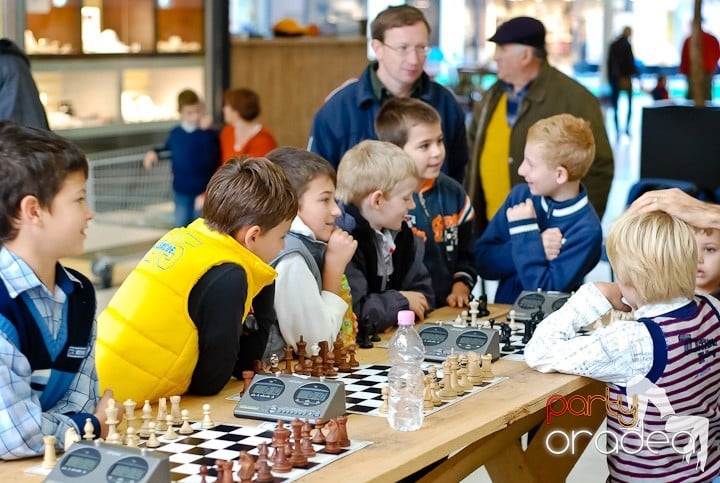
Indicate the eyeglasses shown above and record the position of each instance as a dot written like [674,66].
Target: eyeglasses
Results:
[404,50]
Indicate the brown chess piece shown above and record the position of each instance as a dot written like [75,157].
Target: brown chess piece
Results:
[247,467]
[343,366]
[297,457]
[337,352]
[263,468]
[280,435]
[324,349]
[353,362]
[317,367]
[227,477]
[203,473]
[319,436]
[281,464]
[305,443]
[301,354]
[288,360]
[342,427]
[332,439]
[330,365]
[247,377]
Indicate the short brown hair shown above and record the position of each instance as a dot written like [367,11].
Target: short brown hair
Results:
[398,114]
[33,162]
[393,17]
[246,192]
[244,101]
[567,141]
[188,97]
[301,167]
[655,253]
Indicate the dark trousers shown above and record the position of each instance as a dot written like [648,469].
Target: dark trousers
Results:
[618,85]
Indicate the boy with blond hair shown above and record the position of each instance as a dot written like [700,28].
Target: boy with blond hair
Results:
[443,215]
[707,280]
[47,311]
[375,181]
[178,322]
[547,235]
[311,292]
[666,356]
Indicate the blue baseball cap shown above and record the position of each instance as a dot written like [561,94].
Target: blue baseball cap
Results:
[521,30]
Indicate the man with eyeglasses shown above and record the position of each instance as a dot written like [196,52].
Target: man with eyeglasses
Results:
[400,41]
[528,89]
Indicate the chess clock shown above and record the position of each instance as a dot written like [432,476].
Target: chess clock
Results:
[93,461]
[440,338]
[287,397]
[531,301]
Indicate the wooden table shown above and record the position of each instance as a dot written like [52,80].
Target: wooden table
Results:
[482,429]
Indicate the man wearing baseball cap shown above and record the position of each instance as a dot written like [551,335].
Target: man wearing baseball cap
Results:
[528,89]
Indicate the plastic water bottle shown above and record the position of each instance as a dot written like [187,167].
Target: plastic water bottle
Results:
[405,378]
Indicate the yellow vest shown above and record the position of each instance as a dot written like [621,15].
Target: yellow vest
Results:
[147,344]
[494,159]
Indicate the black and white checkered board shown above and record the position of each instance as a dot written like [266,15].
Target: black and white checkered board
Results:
[225,442]
[363,389]
[516,351]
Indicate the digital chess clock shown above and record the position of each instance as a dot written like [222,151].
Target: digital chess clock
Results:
[440,339]
[287,397]
[93,461]
[529,302]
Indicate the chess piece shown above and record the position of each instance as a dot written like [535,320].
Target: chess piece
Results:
[427,394]
[146,417]
[474,375]
[161,413]
[332,438]
[363,335]
[227,475]
[111,411]
[129,406]
[175,409]
[263,468]
[343,439]
[71,437]
[459,321]
[353,362]
[281,464]
[319,436]
[486,367]
[305,442]
[511,317]
[247,377]
[297,457]
[50,457]
[474,313]
[258,367]
[330,365]
[274,364]
[185,428]
[301,353]
[170,433]
[247,467]
[384,406]
[288,360]
[153,441]
[203,473]
[207,422]
[343,365]
[447,393]
[88,430]
[131,437]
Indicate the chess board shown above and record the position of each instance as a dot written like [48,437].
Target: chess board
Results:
[363,389]
[225,442]
[517,348]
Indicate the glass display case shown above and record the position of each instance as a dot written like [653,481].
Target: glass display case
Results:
[114,66]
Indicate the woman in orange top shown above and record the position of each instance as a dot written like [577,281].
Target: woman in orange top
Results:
[242,134]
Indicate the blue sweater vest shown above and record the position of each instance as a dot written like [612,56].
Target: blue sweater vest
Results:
[24,327]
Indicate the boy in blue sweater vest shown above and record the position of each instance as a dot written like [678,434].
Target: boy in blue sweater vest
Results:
[195,156]
[546,235]
[47,312]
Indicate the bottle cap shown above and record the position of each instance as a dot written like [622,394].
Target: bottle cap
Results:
[406,317]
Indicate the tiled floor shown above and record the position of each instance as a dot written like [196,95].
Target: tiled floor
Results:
[591,467]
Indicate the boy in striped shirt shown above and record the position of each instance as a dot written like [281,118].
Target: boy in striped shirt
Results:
[662,367]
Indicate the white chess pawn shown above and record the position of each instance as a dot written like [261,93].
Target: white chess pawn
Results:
[161,413]
[185,428]
[474,312]
[512,315]
[88,430]
[170,434]
[50,457]
[131,438]
[152,442]
[207,421]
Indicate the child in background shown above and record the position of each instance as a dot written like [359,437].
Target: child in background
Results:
[443,215]
[195,156]
[178,322]
[312,297]
[667,356]
[546,235]
[47,349]
[243,135]
[707,279]
[375,181]
[660,92]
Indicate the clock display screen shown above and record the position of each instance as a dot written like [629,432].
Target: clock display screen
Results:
[267,389]
[432,336]
[311,394]
[471,340]
[78,462]
[127,472]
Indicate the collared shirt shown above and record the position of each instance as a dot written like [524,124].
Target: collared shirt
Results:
[382,93]
[22,421]
[514,100]
[614,354]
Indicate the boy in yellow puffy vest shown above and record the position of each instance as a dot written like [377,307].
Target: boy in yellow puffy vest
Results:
[178,322]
